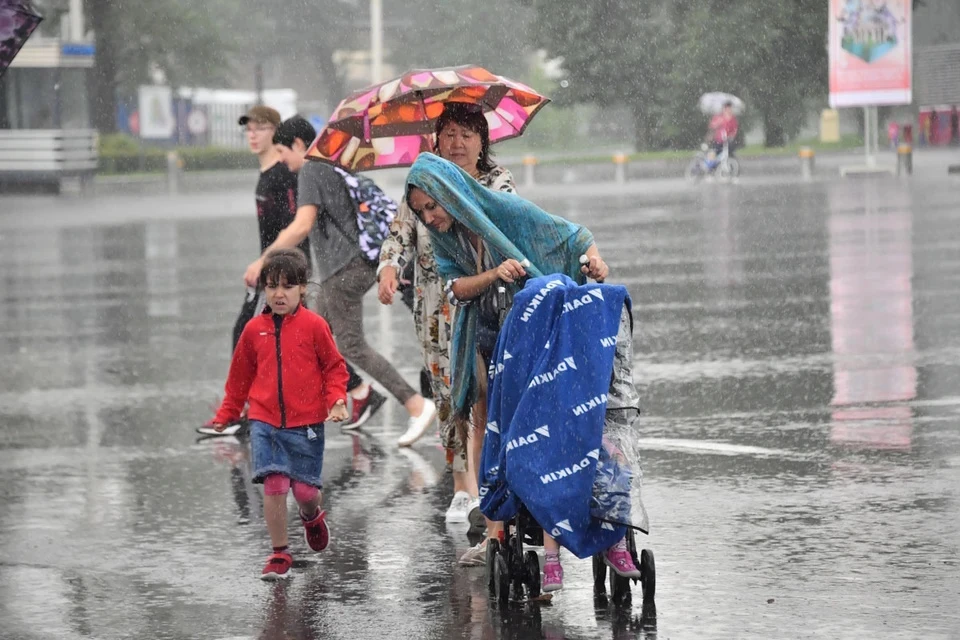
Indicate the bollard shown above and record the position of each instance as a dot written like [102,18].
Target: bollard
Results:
[529,166]
[806,163]
[174,169]
[904,160]
[620,167]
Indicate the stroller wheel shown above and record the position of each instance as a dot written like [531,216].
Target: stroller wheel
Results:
[648,575]
[620,589]
[493,551]
[501,579]
[599,576]
[533,573]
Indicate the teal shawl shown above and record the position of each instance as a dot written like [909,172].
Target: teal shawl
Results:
[510,227]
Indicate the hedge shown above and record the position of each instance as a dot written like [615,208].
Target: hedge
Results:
[123,154]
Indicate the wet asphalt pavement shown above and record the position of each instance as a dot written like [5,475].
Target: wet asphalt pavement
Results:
[798,356]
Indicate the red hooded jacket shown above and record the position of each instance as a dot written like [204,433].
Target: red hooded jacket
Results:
[288,369]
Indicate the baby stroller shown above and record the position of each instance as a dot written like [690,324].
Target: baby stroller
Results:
[511,571]
[539,322]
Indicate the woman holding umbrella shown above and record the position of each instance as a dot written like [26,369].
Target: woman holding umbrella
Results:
[389,125]
[481,238]
[463,137]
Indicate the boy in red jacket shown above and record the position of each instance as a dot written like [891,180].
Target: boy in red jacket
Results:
[287,367]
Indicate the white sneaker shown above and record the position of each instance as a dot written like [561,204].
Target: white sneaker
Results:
[458,507]
[418,425]
[475,556]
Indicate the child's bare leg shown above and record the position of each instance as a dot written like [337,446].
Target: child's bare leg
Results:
[464,481]
[550,545]
[474,453]
[275,513]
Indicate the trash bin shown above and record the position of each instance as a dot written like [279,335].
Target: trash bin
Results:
[829,125]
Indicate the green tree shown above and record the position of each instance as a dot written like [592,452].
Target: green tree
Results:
[771,53]
[659,57]
[615,52]
[181,38]
[492,33]
[311,33]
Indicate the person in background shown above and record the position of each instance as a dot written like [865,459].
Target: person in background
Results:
[276,203]
[327,211]
[463,137]
[893,134]
[723,129]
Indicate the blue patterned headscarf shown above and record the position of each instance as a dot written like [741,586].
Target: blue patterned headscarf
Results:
[510,227]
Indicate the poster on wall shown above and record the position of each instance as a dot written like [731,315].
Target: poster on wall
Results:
[156,112]
[870,53]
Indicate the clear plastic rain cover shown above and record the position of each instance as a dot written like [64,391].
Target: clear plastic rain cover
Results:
[617,486]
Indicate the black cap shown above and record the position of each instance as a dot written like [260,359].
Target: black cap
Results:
[293,128]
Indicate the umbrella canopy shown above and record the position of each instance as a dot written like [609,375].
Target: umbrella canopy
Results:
[389,124]
[17,22]
[712,103]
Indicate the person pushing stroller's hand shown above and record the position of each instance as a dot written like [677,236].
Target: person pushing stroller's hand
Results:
[593,266]
[511,270]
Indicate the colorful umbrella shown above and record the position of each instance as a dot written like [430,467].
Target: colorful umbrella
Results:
[17,22]
[389,124]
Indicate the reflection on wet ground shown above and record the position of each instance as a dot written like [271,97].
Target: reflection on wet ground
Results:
[798,350]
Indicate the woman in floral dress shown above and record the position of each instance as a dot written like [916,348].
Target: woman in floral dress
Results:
[463,138]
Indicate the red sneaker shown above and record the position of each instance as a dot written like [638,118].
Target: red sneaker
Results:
[316,533]
[277,567]
[363,409]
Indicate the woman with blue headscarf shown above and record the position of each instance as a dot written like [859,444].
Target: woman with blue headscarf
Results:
[481,238]
[463,137]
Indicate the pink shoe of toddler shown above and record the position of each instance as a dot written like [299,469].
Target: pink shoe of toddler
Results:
[552,575]
[619,559]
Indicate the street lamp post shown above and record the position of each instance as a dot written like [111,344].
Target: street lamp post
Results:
[376,41]
[76,20]
[376,75]
[258,81]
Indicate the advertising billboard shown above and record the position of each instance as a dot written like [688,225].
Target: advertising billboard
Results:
[870,53]
[156,113]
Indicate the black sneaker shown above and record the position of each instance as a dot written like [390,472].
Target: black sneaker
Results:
[426,384]
[363,410]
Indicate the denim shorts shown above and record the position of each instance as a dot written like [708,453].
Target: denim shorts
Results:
[290,452]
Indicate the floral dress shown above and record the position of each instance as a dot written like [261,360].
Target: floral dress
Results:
[432,313]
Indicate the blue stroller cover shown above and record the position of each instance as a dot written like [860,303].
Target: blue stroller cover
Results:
[544,446]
